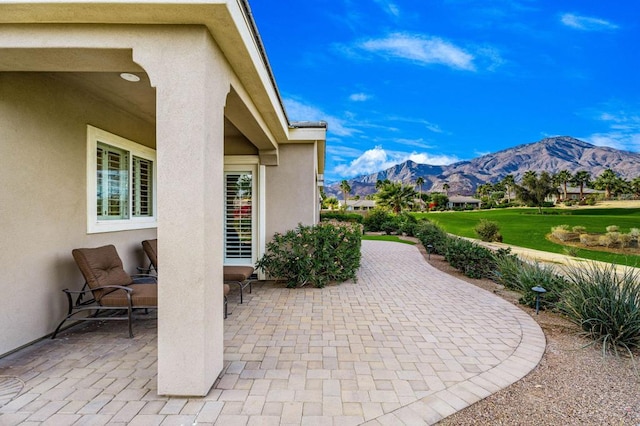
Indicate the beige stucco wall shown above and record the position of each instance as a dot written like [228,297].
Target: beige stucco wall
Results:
[43,198]
[291,189]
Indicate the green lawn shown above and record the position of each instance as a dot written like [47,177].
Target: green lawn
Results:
[526,228]
[393,238]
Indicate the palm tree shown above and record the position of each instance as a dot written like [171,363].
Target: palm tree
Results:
[445,188]
[509,183]
[484,190]
[396,196]
[346,189]
[331,203]
[563,177]
[581,178]
[607,180]
[419,183]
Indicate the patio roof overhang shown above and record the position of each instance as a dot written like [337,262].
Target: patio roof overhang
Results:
[229,22]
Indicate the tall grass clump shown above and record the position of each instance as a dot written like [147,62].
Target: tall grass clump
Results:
[605,304]
[521,276]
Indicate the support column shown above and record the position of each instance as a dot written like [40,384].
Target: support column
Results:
[191,82]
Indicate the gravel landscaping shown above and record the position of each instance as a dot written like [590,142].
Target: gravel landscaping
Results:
[574,384]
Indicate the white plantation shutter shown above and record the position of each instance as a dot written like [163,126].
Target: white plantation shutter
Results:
[142,187]
[238,216]
[112,182]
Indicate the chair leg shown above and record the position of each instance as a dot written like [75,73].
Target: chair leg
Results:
[226,314]
[129,315]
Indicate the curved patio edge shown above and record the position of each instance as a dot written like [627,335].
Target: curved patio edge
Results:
[441,404]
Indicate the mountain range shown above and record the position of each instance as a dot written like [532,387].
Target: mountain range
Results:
[550,154]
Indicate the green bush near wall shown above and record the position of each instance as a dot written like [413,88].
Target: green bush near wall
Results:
[315,255]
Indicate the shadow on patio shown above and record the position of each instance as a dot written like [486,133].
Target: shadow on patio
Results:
[406,344]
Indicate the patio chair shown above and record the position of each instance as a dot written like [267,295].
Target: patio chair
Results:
[150,248]
[239,275]
[108,288]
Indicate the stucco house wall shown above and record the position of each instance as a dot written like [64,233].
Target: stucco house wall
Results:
[291,189]
[43,129]
[209,93]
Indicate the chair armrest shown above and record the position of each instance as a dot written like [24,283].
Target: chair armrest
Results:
[66,290]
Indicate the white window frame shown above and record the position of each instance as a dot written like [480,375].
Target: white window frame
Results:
[94,224]
[250,163]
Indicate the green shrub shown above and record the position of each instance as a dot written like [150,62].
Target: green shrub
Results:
[612,228]
[488,230]
[341,217]
[471,259]
[408,224]
[430,234]
[605,304]
[391,226]
[314,254]
[521,276]
[374,219]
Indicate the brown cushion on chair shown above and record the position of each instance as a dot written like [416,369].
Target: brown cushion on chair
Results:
[101,266]
[142,295]
[226,289]
[150,247]
[237,273]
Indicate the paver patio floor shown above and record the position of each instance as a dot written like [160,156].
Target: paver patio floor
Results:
[406,344]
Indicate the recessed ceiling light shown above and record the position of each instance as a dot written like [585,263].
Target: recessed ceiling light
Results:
[130,77]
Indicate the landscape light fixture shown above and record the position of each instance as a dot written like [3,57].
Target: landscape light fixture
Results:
[539,290]
[429,248]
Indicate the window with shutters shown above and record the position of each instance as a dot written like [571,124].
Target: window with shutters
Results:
[238,217]
[120,183]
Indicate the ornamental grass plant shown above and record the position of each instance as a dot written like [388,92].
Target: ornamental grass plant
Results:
[605,303]
[521,276]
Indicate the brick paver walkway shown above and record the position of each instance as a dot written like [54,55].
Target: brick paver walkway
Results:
[406,344]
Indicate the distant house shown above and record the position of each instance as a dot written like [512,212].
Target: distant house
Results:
[359,205]
[573,193]
[463,202]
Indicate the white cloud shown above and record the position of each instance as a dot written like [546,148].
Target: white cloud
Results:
[586,23]
[297,111]
[359,97]
[389,7]
[421,49]
[623,132]
[377,159]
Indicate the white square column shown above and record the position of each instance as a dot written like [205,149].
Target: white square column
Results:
[191,80]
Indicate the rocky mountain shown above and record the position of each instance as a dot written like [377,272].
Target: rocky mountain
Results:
[549,154]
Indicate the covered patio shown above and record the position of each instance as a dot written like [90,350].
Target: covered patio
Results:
[406,344]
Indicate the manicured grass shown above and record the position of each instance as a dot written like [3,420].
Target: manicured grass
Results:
[526,228]
[393,238]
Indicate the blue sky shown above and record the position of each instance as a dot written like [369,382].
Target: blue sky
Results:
[439,81]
